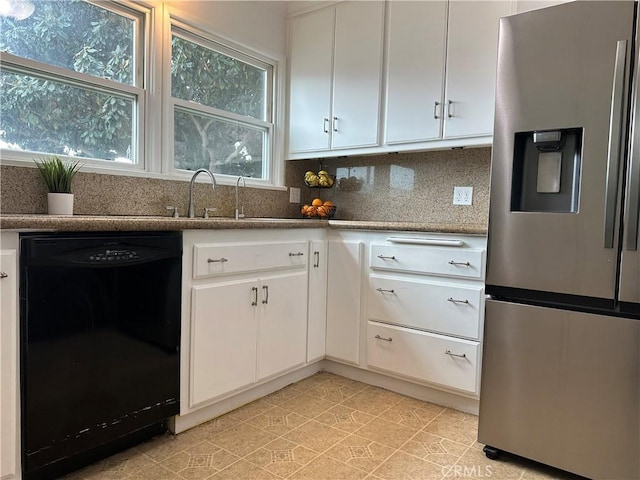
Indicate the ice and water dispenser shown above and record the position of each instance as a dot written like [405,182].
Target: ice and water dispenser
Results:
[546,171]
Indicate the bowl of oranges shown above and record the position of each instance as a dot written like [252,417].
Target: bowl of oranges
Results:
[319,209]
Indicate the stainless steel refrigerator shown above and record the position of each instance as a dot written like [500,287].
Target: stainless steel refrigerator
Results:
[561,360]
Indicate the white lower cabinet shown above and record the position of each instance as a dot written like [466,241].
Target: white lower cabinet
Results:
[259,305]
[344,286]
[245,331]
[245,298]
[9,392]
[425,308]
[317,328]
[282,333]
[446,361]
[224,333]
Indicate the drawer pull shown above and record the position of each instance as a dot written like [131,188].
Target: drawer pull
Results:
[426,241]
[385,339]
[255,296]
[465,264]
[383,290]
[265,291]
[298,254]
[453,300]
[3,275]
[448,352]
[218,260]
[383,257]
[316,259]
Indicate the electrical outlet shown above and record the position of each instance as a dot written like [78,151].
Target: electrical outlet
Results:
[294,195]
[462,195]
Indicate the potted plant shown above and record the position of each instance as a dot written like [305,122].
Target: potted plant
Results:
[58,176]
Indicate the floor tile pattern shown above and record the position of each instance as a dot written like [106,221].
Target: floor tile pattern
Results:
[325,427]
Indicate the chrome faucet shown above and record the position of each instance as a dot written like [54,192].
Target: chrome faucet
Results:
[193,179]
[238,213]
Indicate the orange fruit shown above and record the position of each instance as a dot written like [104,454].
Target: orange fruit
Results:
[316,202]
[328,203]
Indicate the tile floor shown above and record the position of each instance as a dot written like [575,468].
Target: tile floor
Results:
[325,427]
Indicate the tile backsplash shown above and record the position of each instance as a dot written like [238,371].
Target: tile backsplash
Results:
[406,187]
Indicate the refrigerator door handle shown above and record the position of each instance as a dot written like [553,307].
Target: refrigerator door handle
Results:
[613,156]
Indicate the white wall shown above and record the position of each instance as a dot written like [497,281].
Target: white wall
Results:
[254,24]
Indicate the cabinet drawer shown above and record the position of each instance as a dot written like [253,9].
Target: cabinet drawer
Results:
[448,261]
[433,358]
[439,307]
[222,259]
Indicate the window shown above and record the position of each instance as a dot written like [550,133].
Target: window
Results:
[128,88]
[222,108]
[71,81]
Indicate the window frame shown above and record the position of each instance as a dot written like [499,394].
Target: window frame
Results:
[273,172]
[137,92]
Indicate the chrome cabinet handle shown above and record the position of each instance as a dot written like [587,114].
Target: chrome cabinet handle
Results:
[383,257]
[465,264]
[265,291]
[217,260]
[325,126]
[426,241]
[449,114]
[613,155]
[316,259]
[382,290]
[3,275]
[298,254]
[385,339]
[335,124]
[435,108]
[255,296]
[453,300]
[448,352]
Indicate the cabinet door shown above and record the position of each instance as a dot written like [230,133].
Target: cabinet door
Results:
[282,327]
[317,301]
[310,81]
[357,74]
[223,339]
[344,286]
[472,50]
[415,70]
[9,364]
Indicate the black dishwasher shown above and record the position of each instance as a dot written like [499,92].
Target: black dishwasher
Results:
[100,336]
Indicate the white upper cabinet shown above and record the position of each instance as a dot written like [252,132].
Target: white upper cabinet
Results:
[311,66]
[415,69]
[336,77]
[472,50]
[357,74]
[441,62]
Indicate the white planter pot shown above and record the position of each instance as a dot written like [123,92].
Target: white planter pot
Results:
[60,203]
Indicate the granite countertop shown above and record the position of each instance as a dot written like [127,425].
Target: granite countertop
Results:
[130,223]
